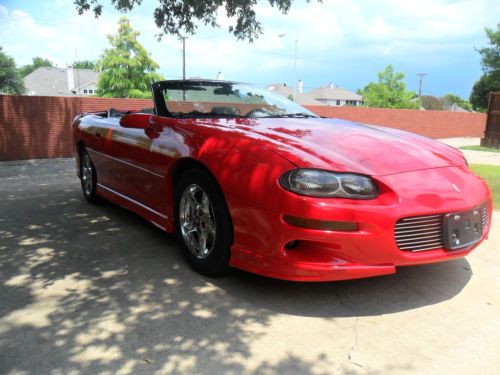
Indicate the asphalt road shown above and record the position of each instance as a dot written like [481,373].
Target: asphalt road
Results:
[97,290]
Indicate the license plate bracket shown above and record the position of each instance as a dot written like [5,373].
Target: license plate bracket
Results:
[462,229]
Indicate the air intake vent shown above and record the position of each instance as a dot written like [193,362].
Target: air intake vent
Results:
[420,233]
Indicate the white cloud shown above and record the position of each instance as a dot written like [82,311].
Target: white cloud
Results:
[333,37]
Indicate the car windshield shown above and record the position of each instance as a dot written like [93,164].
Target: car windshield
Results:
[227,99]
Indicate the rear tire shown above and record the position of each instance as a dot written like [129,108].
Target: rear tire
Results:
[88,177]
[203,222]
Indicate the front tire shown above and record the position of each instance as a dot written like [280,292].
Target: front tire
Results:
[203,223]
[88,177]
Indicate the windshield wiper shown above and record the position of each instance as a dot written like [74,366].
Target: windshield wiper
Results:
[292,115]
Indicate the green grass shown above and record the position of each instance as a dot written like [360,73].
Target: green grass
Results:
[479,148]
[491,174]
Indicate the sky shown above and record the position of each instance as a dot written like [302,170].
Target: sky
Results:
[339,41]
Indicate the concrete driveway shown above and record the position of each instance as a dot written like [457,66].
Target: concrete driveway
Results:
[96,290]
[473,156]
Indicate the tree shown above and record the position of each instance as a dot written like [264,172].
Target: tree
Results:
[451,99]
[389,92]
[481,90]
[181,17]
[126,68]
[10,81]
[490,62]
[431,103]
[37,62]
[490,56]
[85,64]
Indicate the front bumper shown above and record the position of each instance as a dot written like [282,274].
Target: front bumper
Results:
[260,233]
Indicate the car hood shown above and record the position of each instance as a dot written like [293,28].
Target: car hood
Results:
[350,147]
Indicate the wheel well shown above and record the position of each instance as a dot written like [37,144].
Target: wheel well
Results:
[80,146]
[183,165]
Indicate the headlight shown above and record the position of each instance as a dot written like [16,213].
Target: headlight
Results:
[319,183]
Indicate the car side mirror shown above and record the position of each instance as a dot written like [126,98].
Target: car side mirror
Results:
[135,120]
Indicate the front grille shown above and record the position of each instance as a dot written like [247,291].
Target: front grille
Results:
[484,215]
[419,233]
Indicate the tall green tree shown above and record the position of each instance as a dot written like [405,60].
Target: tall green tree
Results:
[37,62]
[10,81]
[455,99]
[127,69]
[85,64]
[490,62]
[389,92]
[181,17]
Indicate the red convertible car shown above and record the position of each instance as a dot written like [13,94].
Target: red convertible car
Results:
[251,180]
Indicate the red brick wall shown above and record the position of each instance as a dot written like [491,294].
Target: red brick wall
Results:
[34,127]
[37,127]
[432,124]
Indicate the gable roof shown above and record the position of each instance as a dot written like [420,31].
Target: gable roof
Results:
[281,88]
[54,81]
[287,91]
[334,92]
[86,84]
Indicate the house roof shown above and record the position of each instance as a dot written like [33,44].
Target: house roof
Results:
[454,107]
[54,81]
[334,92]
[281,88]
[287,91]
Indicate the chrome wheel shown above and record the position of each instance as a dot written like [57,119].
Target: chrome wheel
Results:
[87,175]
[197,221]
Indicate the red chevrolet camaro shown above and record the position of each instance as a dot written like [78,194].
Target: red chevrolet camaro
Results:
[251,180]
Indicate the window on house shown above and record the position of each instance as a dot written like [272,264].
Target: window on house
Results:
[338,102]
[91,91]
[84,91]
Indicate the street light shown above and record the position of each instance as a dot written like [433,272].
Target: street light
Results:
[294,66]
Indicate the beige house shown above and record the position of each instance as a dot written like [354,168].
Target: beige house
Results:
[334,95]
[328,95]
[287,91]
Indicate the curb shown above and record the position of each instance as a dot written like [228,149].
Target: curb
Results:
[10,163]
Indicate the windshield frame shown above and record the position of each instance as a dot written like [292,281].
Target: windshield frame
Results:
[288,107]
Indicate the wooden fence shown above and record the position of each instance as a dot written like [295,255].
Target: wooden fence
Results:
[492,131]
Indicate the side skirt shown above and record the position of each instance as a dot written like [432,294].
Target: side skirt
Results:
[156,218]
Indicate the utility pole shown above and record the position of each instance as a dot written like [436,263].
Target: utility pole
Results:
[295,72]
[294,66]
[421,78]
[183,57]
[77,72]
[183,38]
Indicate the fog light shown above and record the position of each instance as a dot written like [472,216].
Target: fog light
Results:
[302,222]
